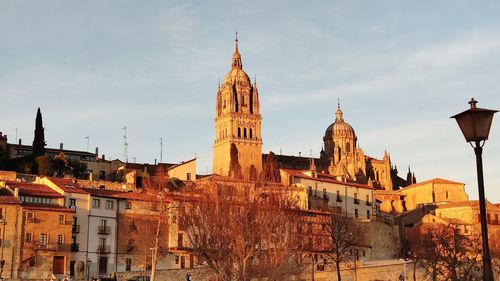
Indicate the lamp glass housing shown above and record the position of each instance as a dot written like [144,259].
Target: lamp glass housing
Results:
[475,123]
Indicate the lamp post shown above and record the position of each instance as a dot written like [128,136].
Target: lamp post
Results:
[475,124]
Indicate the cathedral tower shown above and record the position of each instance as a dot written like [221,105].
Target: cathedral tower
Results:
[238,122]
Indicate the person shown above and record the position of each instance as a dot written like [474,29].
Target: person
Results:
[188,276]
[65,278]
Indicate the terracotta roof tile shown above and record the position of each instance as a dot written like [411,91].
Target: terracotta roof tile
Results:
[67,185]
[103,192]
[33,189]
[434,180]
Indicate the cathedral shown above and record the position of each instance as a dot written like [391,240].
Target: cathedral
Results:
[238,141]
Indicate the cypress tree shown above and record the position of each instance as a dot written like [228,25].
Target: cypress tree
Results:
[39,140]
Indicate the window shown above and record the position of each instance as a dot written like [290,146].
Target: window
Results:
[43,239]
[368,200]
[128,205]
[356,213]
[179,240]
[356,199]
[60,239]
[245,132]
[30,217]
[188,176]
[28,237]
[251,135]
[96,203]
[128,264]
[61,219]
[1,213]
[72,202]
[102,242]
[239,132]
[102,175]
[368,214]
[339,199]
[73,240]
[109,204]
[103,223]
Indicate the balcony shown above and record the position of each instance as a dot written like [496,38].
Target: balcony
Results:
[46,247]
[356,201]
[75,228]
[75,247]
[32,220]
[339,199]
[368,203]
[104,229]
[103,249]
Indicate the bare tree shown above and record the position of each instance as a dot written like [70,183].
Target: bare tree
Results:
[155,206]
[445,252]
[241,236]
[344,236]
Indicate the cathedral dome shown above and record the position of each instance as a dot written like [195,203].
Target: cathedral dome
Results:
[339,128]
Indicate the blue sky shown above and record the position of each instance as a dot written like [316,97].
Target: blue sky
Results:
[400,69]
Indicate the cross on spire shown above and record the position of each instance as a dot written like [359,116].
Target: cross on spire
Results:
[472,103]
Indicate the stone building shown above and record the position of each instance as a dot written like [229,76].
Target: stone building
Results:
[45,232]
[11,225]
[436,190]
[237,123]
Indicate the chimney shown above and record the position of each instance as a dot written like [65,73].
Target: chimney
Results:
[16,192]
[155,161]
[61,146]
[300,154]
[20,141]
[103,157]
[97,151]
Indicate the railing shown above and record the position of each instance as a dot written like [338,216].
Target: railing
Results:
[46,247]
[32,220]
[75,228]
[356,201]
[103,249]
[103,229]
[75,247]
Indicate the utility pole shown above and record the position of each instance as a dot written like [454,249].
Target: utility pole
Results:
[125,144]
[88,140]
[161,150]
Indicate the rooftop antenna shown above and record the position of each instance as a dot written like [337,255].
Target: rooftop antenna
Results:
[125,144]
[88,140]
[161,150]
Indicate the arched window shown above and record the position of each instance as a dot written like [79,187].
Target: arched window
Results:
[239,132]
[224,104]
[251,136]
[348,147]
[245,132]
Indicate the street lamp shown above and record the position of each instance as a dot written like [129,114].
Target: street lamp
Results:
[475,124]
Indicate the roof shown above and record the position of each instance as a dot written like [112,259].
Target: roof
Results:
[55,150]
[103,192]
[67,185]
[33,189]
[6,197]
[324,178]
[434,180]
[47,207]
[139,196]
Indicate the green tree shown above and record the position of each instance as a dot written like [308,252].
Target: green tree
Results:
[39,140]
[78,169]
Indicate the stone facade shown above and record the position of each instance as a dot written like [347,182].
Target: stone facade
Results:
[433,191]
[237,122]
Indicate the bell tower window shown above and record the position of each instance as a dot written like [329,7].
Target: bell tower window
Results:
[245,132]
[251,133]
[239,132]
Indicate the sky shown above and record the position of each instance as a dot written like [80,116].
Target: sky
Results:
[399,68]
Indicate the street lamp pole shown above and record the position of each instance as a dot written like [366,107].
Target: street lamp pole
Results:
[475,124]
[488,273]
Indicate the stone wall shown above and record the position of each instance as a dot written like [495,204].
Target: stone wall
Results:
[377,271]
[107,185]
[8,175]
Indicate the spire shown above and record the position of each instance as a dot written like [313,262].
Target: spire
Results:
[339,114]
[236,56]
